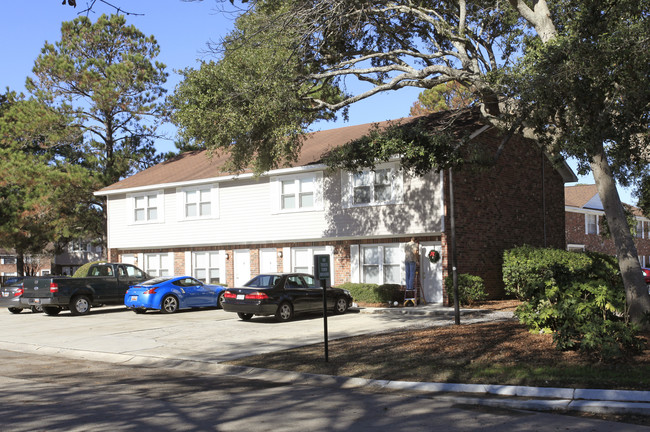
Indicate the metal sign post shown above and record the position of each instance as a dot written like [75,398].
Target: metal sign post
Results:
[322,273]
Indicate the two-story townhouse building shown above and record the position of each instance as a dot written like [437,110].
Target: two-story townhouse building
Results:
[584,216]
[187,216]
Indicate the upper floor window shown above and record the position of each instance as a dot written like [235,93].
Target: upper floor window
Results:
[591,224]
[368,187]
[639,229]
[147,207]
[198,202]
[300,192]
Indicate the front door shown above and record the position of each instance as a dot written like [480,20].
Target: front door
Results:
[268,261]
[431,274]
[242,265]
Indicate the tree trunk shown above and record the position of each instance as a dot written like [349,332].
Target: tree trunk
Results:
[20,263]
[636,291]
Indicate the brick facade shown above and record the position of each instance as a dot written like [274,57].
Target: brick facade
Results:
[576,236]
[8,264]
[518,201]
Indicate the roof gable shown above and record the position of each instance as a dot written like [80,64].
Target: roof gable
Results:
[582,196]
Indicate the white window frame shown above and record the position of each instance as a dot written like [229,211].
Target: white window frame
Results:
[8,260]
[160,270]
[212,257]
[213,194]
[399,257]
[396,186]
[639,232]
[587,217]
[298,180]
[160,207]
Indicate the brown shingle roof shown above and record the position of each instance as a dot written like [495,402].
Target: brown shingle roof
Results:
[579,195]
[198,165]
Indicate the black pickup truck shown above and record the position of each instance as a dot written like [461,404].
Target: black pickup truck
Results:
[105,284]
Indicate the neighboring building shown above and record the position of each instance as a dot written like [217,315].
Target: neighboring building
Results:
[39,265]
[185,216]
[74,255]
[584,216]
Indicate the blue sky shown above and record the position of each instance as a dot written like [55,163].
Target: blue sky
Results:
[182,30]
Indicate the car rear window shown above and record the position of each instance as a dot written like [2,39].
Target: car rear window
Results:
[155,281]
[263,281]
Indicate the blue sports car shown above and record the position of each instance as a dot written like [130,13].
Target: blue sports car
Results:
[169,294]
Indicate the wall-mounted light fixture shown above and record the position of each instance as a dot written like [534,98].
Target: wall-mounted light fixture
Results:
[227,255]
[279,254]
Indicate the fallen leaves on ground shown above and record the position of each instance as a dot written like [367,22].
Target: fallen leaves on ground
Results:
[500,352]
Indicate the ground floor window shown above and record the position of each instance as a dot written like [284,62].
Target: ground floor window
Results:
[380,264]
[206,267]
[157,264]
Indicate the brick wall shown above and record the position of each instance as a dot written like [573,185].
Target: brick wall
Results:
[179,263]
[519,200]
[576,234]
[342,266]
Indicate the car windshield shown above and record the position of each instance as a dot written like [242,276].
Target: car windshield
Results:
[263,281]
[155,281]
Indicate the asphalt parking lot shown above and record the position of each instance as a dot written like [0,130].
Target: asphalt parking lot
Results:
[205,335]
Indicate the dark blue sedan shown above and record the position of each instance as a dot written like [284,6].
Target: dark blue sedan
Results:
[170,294]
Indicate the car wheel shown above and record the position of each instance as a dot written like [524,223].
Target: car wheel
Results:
[220,300]
[80,305]
[169,304]
[139,311]
[341,305]
[15,310]
[51,310]
[284,312]
[244,316]
[37,309]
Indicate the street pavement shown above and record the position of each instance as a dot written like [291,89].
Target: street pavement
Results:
[201,340]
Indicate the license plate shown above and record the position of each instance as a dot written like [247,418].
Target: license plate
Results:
[241,296]
[134,298]
[35,301]
[5,294]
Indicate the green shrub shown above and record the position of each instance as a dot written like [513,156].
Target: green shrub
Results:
[83,270]
[471,289]
[577,297]
[373,293]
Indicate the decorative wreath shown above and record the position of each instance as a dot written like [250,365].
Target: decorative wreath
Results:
[434,256]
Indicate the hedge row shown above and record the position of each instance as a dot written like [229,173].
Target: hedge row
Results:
[373,293]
